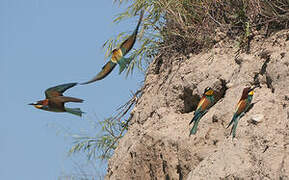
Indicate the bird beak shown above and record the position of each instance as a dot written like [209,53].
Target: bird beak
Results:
[39,106]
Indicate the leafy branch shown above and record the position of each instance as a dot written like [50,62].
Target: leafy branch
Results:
[148,36]
[113,129]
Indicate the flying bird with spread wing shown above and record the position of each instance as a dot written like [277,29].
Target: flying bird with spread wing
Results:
[55,100]
[118,54]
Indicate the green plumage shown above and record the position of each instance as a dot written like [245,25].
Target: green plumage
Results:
[58,90]
[234,121]
[106,69]
[207,101]
[123,63]
[55,100]
[118,56]
[196,120]
[239,114]
[127,45]
[75,111]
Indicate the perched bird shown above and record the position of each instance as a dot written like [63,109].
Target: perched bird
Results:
[242,107]
[118,54]
[205,103]
[55,100]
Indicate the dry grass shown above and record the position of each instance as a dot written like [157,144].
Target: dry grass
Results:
[192,25]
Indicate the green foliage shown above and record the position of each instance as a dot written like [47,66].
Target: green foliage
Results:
[102,145]
[141,56]
[148,36]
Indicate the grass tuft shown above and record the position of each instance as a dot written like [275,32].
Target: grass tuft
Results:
[191,26]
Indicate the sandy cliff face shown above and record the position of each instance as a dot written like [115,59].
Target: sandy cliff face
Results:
[157,144]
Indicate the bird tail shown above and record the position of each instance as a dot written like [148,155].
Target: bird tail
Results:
[123,63]
[234,121]
[231,121]
[195,127]
[75,111]
[196,118]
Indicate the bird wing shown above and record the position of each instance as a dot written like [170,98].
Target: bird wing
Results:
[58,90]
[106,69]
[126,46]
[64,99]
[203,104]
[129,42]
[201,109]
[241,106]
[55,105]
[123,63]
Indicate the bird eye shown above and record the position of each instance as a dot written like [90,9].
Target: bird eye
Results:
[209,92]
[207,89]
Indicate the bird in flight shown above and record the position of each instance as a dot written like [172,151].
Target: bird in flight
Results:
[118,54]
[54,100]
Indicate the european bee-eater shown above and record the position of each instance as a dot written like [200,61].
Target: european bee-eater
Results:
[118,54]
[205,103]
[55,100]
[242,107]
